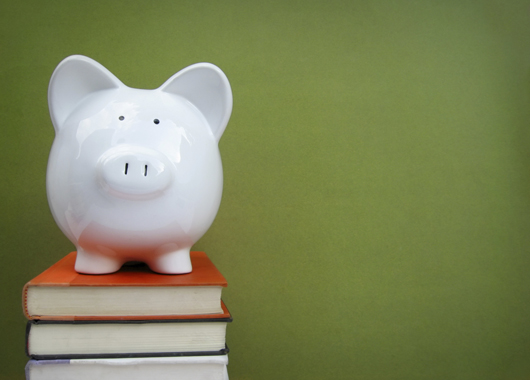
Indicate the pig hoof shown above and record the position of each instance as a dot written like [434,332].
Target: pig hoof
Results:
[177,262]
[94,263]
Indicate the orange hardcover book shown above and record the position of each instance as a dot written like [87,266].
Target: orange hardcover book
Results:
[134,292]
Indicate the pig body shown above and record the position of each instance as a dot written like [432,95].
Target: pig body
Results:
[135,175]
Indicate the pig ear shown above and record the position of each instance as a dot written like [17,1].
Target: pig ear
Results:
[208,89]
[73,80]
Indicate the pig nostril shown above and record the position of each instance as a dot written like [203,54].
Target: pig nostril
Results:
[145,171]
[126,168]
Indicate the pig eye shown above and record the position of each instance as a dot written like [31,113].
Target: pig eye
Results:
[121,118]
[156,121]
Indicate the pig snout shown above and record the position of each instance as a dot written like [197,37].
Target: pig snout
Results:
[134,172]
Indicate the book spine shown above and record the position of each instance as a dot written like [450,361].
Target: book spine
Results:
[25,301]
[28,328]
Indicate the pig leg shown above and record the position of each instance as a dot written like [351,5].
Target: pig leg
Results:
[175,262]
[96,263]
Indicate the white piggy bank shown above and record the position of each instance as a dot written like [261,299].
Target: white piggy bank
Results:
[135,175]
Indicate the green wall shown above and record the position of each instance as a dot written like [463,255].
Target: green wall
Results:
[375,221]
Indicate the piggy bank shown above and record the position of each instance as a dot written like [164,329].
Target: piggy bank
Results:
[135,175]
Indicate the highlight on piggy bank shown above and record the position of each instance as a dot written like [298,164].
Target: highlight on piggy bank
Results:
[135,175]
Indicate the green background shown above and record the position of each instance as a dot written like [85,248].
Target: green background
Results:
[375,221]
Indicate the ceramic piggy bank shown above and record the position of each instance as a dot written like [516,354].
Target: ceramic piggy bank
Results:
[135,175]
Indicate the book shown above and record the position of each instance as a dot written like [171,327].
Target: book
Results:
[182,368]
[134,292]
[204,335]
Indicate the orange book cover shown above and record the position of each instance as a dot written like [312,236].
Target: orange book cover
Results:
[62,274]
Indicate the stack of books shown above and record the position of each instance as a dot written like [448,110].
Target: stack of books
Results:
[132,324]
